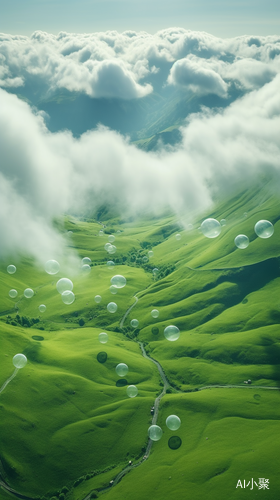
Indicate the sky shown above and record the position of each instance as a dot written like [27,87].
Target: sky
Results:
[222,18]
[51,46]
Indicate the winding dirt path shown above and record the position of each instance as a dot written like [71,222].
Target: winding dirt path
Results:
[9,380]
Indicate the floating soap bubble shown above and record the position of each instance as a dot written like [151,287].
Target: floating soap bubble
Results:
[155,432]
[150,254]
[42,308]
[101,233]
[173,422]
[241,241]
[103,338]
[145,259]
[119,281]
[11,269]
[97,299]
[211,228]
[111,238]
[155,313]
[155,271]
[223,222]
[112,307]
[68,297]
[86,260]
[19,360]
[28,293]
[63,285]
[85,269]
[171,333]
[121,369]
[264,229]
[245,215]
[131,391]
[113,289]
[112,249]
[13,293]
[189,227]
[70,233]
[52,267]
[134,323]
[107,245]
[178,236]
[118,231]
[110,263]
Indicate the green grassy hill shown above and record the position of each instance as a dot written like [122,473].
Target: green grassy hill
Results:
[67,426]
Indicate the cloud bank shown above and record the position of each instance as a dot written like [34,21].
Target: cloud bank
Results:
[122,65]
[44,174]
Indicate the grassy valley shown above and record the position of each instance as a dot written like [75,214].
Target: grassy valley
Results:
[67,425]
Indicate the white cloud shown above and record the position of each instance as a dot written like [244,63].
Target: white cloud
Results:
[45,174]
[82,62]
[196,77]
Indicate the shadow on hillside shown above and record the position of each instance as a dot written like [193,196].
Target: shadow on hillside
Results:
[251,278]
[272,351]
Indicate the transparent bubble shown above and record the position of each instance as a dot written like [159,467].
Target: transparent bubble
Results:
[68,297]
[171,333]
[13,293]
[150,254]
[63,285]
[113,289]
[211,228]
[121,369]
[223,222]
[97,299]
[111,238]
[119,281]
[241,241]
[85,269]
[107,245]
[189,227]
[134,323]
[103,338]
[110,263]
[154,432]
[11,269]
[42,308]
[132,391]
[173,422]
[118,231]
[52,267]
[112,249]
[101,233]
[178,236]
[264,229]
[155,313]
[245,215]
[112,307]
[19,360]
[86,260]
[28,293]
[145,259]
[155,271]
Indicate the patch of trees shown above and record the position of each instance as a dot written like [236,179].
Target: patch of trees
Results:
[22,321]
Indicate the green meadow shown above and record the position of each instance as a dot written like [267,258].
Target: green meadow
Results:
[67,426]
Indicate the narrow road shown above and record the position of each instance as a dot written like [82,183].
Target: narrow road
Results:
[128,311]
[9,380]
